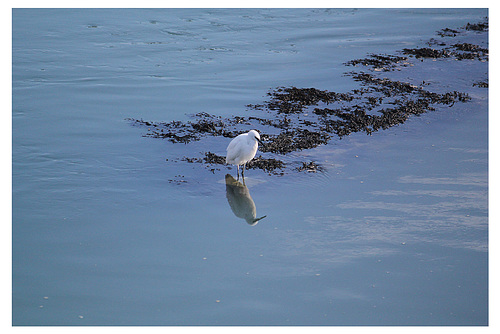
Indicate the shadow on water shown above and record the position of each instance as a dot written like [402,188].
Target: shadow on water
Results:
[240,201]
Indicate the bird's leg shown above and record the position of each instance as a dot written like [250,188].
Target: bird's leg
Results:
[238,172]
[243,173]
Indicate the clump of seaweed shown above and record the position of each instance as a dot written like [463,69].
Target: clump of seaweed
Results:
[270,165]
[212,158]
[467,51]
[481,84]
[481,26]
[288,100]
[447,32]
[186,132]
[378,62]
[310,167]
[426,53]
[294,140]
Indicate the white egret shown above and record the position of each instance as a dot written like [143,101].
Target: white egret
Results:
[242,149]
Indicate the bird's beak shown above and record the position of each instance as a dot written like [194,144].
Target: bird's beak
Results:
[260,142]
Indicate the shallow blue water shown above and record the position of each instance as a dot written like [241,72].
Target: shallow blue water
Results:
[107,232]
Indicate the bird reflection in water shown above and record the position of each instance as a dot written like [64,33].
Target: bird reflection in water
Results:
[240,201]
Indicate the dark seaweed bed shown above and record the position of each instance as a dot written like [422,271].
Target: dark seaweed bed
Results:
[297,119]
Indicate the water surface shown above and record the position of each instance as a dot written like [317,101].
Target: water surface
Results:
[107,232]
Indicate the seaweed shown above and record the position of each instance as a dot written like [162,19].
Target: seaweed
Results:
[294,140]
[447,32]
[379,62]
[305,118]
[481,26]
[311,167]
[426,53]
[270,165]
[481,84]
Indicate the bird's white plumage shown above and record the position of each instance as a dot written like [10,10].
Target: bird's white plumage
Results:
[242,148]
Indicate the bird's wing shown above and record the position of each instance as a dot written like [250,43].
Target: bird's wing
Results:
[234,148]
[234,142]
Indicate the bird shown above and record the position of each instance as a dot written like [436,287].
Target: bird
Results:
[242,149]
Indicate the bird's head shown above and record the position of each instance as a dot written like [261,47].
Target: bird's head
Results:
[256,135]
